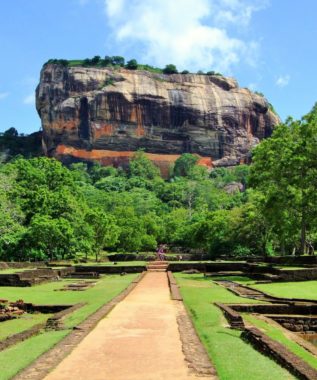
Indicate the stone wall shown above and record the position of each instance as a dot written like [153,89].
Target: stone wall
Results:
[113,269]
[277,308]
[297,323]
[279,353]
[235,320]
[28,277]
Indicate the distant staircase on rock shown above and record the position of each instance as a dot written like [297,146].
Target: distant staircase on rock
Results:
[157,266]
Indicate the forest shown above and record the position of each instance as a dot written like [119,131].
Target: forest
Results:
[50,211]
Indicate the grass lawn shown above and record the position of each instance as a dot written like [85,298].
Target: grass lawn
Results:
[22,354]
[289,267]
[13,270]
[276,334]
[239,279]
[302,289]
[18,325]
[234,359]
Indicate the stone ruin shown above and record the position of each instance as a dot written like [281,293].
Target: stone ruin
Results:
[10,310]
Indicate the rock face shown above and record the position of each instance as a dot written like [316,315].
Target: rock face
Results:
[106,114]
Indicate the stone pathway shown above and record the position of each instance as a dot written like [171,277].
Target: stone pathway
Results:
[138,340]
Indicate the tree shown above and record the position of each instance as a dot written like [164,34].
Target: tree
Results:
[285,170]
[132,64]
[49,238]
[87,62]
[105,230]
[118,60]
[95,60]
[107,60]
[184,164]
[97,172]
[185,72]
[112,183]
[141,166]
[213,232]
[11,218]
[170,69]
[12,132]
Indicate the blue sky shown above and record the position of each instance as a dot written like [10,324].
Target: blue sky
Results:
[268,45]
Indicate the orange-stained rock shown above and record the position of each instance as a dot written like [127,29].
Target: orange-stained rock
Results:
[114,158]
[205,161]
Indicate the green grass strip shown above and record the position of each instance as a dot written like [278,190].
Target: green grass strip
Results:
[233,358]
[22,354]
[276,334]
[20,324]
[302,289]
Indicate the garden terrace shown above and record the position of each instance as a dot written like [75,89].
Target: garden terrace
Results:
[30,277]
[45,303]
[250,315]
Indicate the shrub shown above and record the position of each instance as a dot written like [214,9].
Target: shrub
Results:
[132,64]
[170,69]
[107,61]
[95,60]
[117,60]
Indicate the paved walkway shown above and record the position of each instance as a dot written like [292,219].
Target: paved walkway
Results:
[138,340]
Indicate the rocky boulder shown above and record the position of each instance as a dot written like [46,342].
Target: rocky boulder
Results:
[107,114]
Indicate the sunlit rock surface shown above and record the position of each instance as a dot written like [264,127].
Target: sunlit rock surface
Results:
[105,115]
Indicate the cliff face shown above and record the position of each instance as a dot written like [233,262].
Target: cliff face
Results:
[105,114]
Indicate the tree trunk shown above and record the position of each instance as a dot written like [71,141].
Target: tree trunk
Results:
[283,253]
[302,249]
[264,244]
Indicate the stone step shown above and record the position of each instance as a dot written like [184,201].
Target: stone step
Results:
[156,270]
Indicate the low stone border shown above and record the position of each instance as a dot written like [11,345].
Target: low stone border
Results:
[56,322]
[276,308]
[195,353]
[265,344]
[235,320]
[113,269]
[50,359]
[20,337]
[279,353]
[175,293]
[261,296]
[53,323]
[297,338]
[193,349]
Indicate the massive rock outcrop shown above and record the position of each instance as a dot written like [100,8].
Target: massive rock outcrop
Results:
[106,114]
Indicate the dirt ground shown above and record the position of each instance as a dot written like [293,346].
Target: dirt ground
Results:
[138,340]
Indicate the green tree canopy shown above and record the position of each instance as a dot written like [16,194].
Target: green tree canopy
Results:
[170,69]
[132,64]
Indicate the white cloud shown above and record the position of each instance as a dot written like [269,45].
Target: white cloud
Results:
[3,95]
[29,99]
[283,80]
[238,12]
[193,34]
